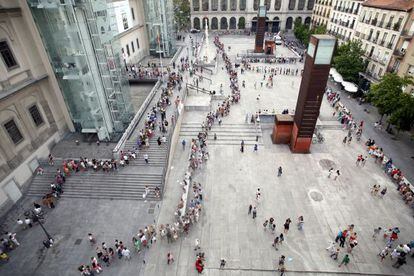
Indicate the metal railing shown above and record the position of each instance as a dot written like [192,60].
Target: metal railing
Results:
[134,122]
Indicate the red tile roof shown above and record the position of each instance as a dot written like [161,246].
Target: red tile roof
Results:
[398,5]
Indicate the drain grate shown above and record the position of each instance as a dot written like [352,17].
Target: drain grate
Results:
[151,211]
[152,205]
[78,241]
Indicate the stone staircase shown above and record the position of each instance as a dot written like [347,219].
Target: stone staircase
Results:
[99,185]
[157,155]
[227,134]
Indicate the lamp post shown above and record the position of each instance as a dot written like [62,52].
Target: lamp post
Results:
[49,237]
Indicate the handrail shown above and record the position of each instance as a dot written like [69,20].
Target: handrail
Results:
[199,75]
[198,89]
[134,122]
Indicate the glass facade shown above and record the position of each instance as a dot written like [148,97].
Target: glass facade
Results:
[159,18]
[78,36]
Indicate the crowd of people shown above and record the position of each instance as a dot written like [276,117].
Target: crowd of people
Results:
[344,116]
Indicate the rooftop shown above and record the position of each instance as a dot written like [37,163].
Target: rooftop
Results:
[398,5]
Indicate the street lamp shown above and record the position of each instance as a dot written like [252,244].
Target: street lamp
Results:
[49,237]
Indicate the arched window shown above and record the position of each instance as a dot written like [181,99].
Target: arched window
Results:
[242,23]
[289,22]
[223,6]
[233,5]
[267,4]
[214,5]
[196,23]
[278,4]
[307,20]
[301,5]
[242,5]
[214,23]
[196,5]
[204,5]
[233,23]
[223,23]
[276,25]
[311,3]
[292,4]
[256,4]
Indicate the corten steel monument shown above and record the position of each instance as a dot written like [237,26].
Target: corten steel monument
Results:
[314,78]
[260,30]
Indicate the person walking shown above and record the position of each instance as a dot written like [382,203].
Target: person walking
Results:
[183,143]
[344,140]
[250,209]
[265,224]
[383,192]
[281,263]
[126,253]
[279,171]
[255,148]
[281,238]
[222,263]
[146,158]
[376,233]
[337,175]
[300,223]
[170,258]
[12,237]
[331,170]
[196,244]
[286,225]
[345,261]
[335,254]
[254,212]
[242,146]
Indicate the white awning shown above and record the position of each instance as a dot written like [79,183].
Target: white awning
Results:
[351,87]
[337,77]
[332,71]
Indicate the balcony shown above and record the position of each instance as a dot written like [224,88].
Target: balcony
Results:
[380,24]
[388,26]
[374,22]
[356,11]
[396,27]
[389,45]
[374,40]
[399,53]
[382,42]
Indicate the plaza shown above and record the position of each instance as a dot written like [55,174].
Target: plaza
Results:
[230,180]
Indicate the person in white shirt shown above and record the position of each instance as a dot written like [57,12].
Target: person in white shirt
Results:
[126,253]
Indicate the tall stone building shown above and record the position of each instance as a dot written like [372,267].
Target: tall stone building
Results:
[242,14]
[33,113]
[322,12]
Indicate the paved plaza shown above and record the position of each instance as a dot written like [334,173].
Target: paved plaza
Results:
[230,180]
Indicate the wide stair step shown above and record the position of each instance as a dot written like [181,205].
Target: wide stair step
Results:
[99,185]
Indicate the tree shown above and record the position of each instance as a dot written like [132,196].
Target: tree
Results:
[348,60]
[242,23]
[303,32]
[388,97]
[403,117]
[182,14]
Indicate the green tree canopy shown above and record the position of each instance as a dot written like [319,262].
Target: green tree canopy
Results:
[182,14]
[303,32]
[348,60]
[389,98]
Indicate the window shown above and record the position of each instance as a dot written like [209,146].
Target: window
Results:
[214,5]
[196,5]
[242,5]
[311,3]
[7,55]
[223,5]
[132,46]
[278,4]
[292,4]
[137,44]
[132,13]
[301,4]
[36,116]
[125,21]
[127,47]
[13,131]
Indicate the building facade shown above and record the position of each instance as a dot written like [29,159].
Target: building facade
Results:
[242,14]
[159,21]
[344,18]
[133,37]
[380,27]
[322,12]
[33,113]
[86,59]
